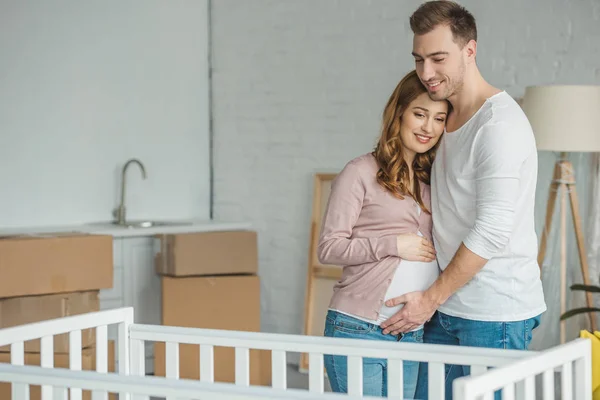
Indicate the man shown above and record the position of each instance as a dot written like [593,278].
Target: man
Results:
[489,293]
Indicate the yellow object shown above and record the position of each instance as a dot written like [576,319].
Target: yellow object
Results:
[595,339]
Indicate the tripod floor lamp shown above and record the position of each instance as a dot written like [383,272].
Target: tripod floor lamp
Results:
[565,119]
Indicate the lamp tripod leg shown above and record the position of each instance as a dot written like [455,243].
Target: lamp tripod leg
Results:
[581,250]
[549,214]
[563,260]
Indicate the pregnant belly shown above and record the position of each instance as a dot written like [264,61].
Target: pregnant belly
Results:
[410,276]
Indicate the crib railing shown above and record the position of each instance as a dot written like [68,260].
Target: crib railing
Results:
[73,325]
[132,337]
[58,380]
[436,356]
[572,360]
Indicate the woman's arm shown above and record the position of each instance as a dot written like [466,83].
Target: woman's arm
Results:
[343,208]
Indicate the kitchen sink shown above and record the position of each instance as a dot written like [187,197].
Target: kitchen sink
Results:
[149,223]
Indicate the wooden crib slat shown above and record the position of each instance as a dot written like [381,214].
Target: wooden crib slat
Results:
[17,357]
[355,376]
[138,357]
[395,379]
[478,370]
[548,384]
[47,351]
[242,366]
[17,353]
[75,359]
[172,360]
[520,390]
[278,369]
[102,348]
[98,395]
[123,337]
[316,373]
[75,350]
[508,392]
[583,378]
[138,362]
[47,361]
[529,388]
[25,393]
[207,363]
[101,358]
[61,393]
[567,382]
[436,381]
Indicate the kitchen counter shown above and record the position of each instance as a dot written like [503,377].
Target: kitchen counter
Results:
[107,228]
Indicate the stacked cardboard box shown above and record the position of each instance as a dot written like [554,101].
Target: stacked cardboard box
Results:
[49,276]
[209,280]
[27,309]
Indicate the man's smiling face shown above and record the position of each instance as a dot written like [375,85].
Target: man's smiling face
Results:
[440,62]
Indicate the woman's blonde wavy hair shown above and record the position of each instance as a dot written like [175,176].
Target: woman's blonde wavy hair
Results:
[393,170]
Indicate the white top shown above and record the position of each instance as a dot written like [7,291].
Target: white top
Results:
[410,276]
[482,194]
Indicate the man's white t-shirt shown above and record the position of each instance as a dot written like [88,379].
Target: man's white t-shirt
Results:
[482,194]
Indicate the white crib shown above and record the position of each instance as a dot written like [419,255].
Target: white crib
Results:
[572,361]
[131,380]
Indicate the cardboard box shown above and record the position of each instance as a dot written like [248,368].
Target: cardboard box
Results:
[61,360]
[24,310]
[55,263]
[227,302]
[207,253]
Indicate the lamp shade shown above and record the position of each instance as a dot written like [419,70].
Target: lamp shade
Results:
[564,118]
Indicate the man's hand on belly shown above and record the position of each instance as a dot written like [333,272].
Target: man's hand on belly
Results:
[418,309]
[420,306]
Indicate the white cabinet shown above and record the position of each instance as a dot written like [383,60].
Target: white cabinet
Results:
[135,284]
[142,283]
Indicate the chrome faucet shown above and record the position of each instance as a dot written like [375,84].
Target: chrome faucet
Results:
[120,211]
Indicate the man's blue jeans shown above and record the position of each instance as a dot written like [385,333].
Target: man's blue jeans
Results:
[445,329]
[374,369]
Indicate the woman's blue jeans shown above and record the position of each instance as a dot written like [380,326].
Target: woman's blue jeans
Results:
[374,369]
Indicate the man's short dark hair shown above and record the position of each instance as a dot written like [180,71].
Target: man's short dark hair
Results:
[431,14]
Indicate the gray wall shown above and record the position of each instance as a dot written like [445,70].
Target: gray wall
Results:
[86,85]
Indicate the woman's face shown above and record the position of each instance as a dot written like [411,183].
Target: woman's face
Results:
[422,124]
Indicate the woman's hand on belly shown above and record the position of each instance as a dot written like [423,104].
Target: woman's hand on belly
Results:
[413,247]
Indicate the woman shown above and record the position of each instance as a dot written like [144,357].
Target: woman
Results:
[377,225]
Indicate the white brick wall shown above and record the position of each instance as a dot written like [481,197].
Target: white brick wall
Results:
[299,86]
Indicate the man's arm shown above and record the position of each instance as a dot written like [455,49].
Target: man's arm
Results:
[462,268]
[500,153]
